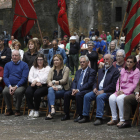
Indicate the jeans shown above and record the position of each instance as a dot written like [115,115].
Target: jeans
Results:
[100,100]
[52,95]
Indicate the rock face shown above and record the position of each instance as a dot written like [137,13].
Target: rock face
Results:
[82,15]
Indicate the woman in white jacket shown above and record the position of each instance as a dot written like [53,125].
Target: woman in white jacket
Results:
[37,88]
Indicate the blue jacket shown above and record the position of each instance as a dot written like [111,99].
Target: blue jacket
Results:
[58,51]
[88,80]
[111,78]
[16,74]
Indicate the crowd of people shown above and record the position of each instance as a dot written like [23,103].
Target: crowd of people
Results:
[43,70]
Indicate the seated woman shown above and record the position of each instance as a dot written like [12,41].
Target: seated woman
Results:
[17,46]
[31,54]
[58,82]
[126,84]
[120,62]
[37,88]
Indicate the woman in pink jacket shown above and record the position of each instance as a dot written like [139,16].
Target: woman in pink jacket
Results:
[126,84]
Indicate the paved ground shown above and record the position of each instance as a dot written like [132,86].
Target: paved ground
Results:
[24,128]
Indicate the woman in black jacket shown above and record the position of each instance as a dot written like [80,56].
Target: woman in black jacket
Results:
[92,55]
[31,54]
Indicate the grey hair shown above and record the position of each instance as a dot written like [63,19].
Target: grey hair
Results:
[84,56]
[90,42]
[114,43]
[111,56]
[121,51]
[16,51]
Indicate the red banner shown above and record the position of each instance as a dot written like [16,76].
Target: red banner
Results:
[24,17]
[62,18]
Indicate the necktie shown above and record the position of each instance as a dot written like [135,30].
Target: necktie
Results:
[80,80]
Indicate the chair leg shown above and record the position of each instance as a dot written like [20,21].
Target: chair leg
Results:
[24,107]
[91,114]
[2,105]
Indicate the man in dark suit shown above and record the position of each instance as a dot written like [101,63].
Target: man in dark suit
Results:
[81,85]
[107,79]
[116,33]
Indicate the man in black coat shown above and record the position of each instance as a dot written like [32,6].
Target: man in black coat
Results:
[82,84]
[5,53]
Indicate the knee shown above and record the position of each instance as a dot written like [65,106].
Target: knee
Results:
[86,97]
[112,98]
[127,100]
[67,94]
[50,90]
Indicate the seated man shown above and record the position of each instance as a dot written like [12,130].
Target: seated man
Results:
[107,79]
[15,78]
[81,85]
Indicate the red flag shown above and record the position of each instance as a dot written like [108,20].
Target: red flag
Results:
[62,18]
[59,3]
[24,17]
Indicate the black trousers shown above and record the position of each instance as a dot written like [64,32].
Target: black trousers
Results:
[79,101]
[36,94]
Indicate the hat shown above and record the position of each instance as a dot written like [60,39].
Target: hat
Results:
[99,38]
[91,28]
[75,33]
[117,27]
[65,36]
[72,38]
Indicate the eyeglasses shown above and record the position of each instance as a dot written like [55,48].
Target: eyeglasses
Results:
[54,44]
[119,56]
[82,62]
[40,59]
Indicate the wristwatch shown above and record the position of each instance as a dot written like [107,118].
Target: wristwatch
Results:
[53,83]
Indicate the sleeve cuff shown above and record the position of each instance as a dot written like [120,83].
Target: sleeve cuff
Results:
[136,93]
[9,85]
[17,86]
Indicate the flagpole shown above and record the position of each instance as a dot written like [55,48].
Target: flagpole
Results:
[122,28]
[40,30]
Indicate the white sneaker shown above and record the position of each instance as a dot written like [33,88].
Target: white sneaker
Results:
[36,114]
[31,114]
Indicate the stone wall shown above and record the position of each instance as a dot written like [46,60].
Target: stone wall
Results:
[82,15]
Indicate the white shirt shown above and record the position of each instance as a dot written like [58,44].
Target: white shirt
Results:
[21,53]
[83,75]
[84,46]
[61,46]
[40,75]
[102,82]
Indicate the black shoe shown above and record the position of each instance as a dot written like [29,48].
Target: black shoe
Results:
[84,120]
[98,122]
[66,117]
[78,119]
[125,125]
[48,118]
